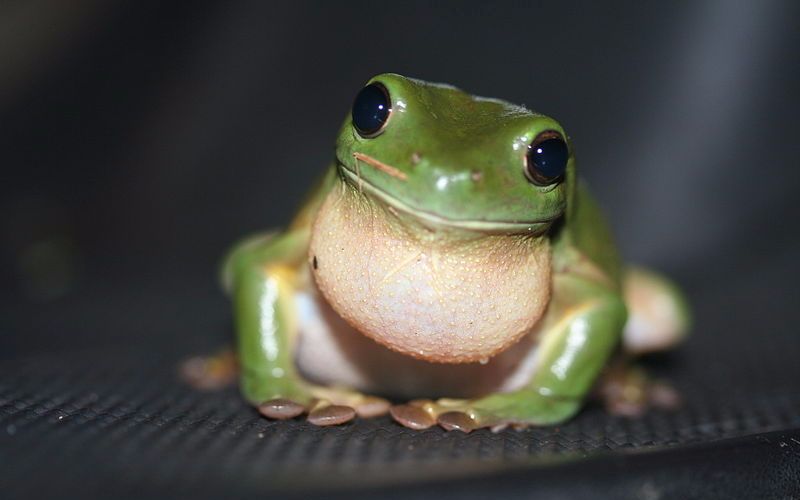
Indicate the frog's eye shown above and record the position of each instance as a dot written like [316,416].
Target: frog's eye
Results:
[547,158]
[371,110]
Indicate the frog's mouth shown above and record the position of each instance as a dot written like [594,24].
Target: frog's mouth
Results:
[534,227]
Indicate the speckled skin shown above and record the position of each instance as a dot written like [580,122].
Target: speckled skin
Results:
[440,296]
[428,246]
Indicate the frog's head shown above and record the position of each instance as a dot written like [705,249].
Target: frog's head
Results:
[452,159]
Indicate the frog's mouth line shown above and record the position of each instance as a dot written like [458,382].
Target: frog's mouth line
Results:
[528,227]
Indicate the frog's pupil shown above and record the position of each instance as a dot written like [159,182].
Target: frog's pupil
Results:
[371,109]
[547,160]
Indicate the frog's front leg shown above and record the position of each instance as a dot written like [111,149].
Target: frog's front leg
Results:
[261,274]
[580,331]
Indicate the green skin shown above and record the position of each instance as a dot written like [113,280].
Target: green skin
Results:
[463,137]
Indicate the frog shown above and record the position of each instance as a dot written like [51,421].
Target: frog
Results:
[449,268]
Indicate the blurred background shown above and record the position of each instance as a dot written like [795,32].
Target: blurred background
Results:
[140,139]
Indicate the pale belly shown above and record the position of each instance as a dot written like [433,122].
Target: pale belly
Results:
[331,352]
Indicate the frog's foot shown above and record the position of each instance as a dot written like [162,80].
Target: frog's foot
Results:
[517,409]
[210,372]
[629,392]
[324,405]
[342,402]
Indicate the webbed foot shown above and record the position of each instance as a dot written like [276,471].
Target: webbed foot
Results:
[517,409]
[628,391]
[324,406]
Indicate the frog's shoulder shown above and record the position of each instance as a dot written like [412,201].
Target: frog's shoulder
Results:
[586,231]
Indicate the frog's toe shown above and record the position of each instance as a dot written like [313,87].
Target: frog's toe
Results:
[457,421]
[281,409]
[470,418]
[506,425]
[413,417]
[371,406]
[364,405]
[454,415]
[331,415]
[499,427]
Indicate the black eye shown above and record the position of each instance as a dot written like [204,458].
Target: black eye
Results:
[547,158]
[371,110]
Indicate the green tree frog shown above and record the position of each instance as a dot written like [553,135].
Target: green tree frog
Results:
[449,259]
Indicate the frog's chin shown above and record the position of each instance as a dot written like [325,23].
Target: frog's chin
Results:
[436,299]
[536,227]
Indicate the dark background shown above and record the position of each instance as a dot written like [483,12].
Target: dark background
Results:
[140,139]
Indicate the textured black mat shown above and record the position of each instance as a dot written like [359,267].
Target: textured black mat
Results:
[117,420]
[124,425]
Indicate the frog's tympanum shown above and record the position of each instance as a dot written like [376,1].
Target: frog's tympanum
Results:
[450,259]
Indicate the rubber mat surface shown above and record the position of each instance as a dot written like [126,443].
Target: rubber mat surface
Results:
[119,419]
